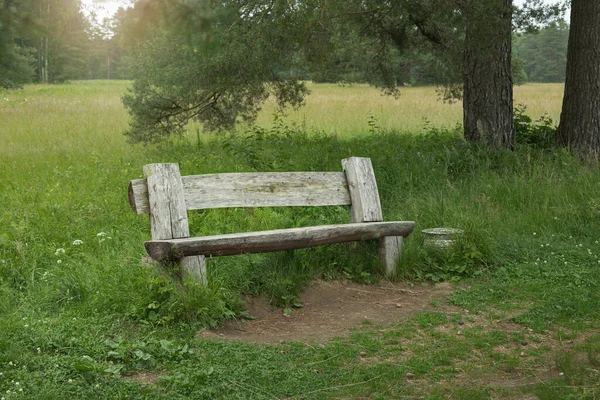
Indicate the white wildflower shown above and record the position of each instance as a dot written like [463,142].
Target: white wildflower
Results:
[60,251]
[70,381]
[58,261]
[101,234]
[77,242]
[534,233]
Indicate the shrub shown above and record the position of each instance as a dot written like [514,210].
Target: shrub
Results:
[538,133]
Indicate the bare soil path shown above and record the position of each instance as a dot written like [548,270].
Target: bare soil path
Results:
[332,309]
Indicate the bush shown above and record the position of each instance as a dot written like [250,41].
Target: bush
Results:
[538,133]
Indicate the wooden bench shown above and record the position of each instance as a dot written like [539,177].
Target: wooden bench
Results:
[166,196]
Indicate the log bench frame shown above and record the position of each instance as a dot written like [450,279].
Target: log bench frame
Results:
[166,196]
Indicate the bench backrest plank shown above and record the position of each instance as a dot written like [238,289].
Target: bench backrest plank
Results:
[248,189]
[366,206]
[168,215]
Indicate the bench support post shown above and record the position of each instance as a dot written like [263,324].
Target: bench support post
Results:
[168,214]
[366,207]
[390,251]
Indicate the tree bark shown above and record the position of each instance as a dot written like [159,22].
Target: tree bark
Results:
[487,77]
[579,126]
[43,49]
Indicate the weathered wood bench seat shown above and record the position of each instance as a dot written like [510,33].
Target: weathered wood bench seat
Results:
[167,196]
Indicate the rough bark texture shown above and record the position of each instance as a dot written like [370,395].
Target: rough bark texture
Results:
[580,118]
[487,78]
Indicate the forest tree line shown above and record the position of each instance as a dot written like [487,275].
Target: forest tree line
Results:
[52,41]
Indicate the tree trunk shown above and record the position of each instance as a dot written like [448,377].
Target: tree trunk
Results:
[487,78]
[579,126]
[43,49]
[46,60]
[41,61]
[46,71]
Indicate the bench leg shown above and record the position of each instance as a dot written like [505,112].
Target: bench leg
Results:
[390,250]
[194,268]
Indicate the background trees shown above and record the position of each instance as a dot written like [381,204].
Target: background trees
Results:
[16,59]
[544,53]
[50,41]
[57,30]
[347,40]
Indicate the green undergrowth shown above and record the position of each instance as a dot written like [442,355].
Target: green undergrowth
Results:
[70,240]
[80,313]
[433,356]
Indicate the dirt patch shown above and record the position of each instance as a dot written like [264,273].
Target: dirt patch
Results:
[145,378]
[332,309]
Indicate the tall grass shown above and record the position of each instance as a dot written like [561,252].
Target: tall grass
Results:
[79,309]
[347,110]
[66,166]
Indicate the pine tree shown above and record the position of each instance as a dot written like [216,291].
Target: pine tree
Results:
[579,126]
[16,59]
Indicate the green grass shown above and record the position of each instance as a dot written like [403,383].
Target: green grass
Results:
[78,319]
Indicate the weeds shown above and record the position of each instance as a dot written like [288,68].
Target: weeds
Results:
[537,134]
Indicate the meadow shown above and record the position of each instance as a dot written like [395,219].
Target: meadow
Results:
[346,110]
[82,317]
